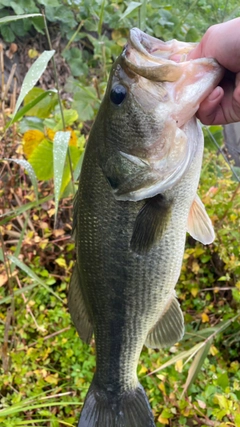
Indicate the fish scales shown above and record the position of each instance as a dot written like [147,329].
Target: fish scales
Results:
[130,235]
[129,290]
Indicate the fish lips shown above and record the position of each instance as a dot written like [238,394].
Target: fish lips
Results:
[161,61]
[150,57]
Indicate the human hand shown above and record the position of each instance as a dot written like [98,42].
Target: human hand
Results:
[222,42]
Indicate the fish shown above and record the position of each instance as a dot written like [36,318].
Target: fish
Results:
[136,200]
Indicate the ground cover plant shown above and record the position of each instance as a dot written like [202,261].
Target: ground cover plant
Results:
[46,370]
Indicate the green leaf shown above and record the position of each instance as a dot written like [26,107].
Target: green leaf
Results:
[44,102]
[32,76]
[6,217]
[131,7]
[74,58]
[61,14]
[29,107]
[180,356]
[14,409]
[101,15]
[19,243]
[75,155]
[60,146]
[53,3]
[28,123]
[70,116]
[143,15]
[192,35]
[236,294]
[236,174]
[78,167]
[30,171]
[23,290]
[7,33]
[197,364]
[166,413]
[16,17]
[85,102]
[42,160]
[31,274]
[223,381]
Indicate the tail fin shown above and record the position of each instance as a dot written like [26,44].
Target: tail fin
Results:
[130,409]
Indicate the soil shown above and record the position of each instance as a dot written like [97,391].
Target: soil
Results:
[20,53]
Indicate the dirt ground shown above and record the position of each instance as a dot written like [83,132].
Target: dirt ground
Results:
[21,54]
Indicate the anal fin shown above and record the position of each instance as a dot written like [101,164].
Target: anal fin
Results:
[150,223]
[77,308]
[169,329]
[199,224]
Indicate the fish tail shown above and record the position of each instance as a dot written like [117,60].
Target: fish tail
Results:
[130,409]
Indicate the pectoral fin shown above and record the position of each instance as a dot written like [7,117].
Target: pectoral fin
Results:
[77,308]
[169,329]
[199,224]
[150,223]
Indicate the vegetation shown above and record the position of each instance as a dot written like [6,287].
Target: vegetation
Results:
[46,369]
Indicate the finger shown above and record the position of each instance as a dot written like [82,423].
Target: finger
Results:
[236,93]
[195,53]
[235,116]
[209,108]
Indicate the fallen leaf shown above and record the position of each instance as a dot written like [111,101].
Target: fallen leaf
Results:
[205,318]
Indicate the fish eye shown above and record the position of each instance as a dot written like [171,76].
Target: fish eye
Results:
[118,94]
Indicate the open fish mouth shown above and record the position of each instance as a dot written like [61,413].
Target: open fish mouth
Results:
[155,59]
[156,49]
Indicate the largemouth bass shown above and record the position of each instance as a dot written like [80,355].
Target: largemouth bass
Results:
[136,201]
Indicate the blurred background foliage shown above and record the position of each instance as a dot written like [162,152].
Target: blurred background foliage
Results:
[46,369]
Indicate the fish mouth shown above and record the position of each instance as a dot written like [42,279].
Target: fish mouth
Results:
[155,59]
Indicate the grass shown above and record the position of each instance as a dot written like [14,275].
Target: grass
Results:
[46,369]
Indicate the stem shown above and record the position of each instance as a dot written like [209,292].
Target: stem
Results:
[2,84]
[232,199]
[10,310]
[73,36]
[101,18]
[182,20]
[54,334]
[54,70]
[222,153]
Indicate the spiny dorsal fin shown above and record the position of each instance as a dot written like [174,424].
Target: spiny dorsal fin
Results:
[199,224]
[150,223]
[170,327]
[77,308]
